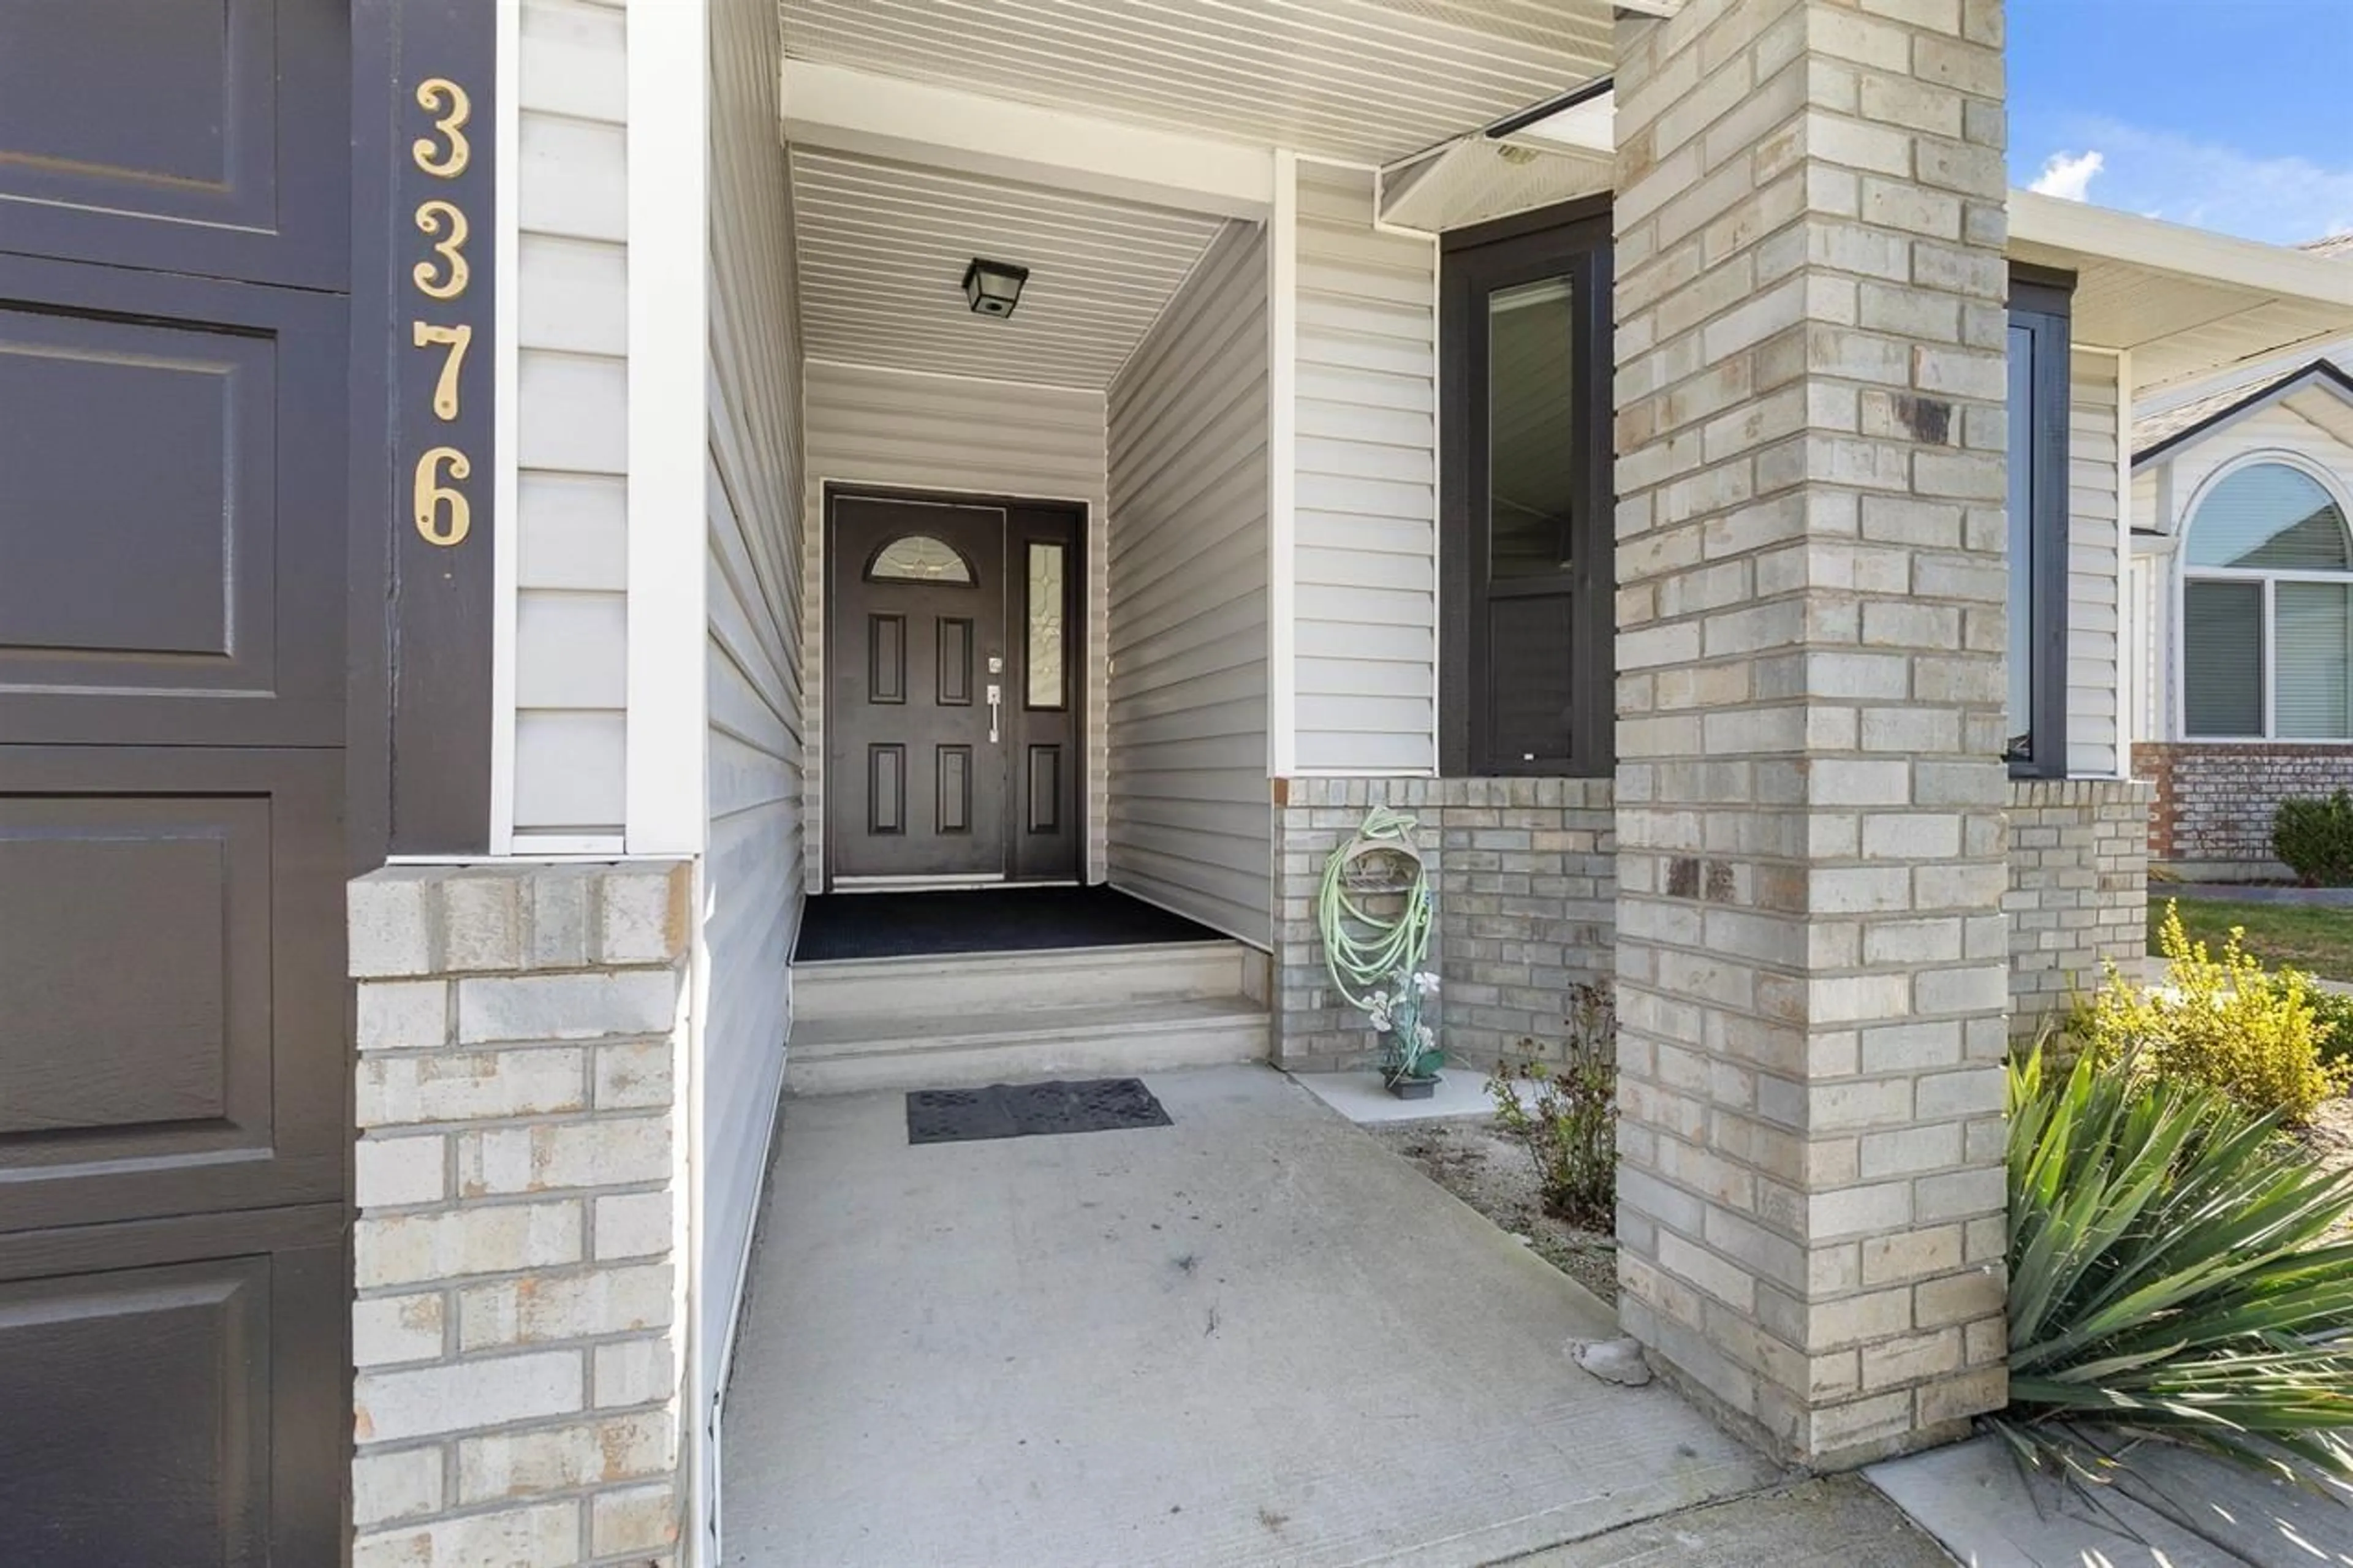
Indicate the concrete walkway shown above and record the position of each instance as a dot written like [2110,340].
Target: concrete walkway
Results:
[1975,1498]
[1253,1337]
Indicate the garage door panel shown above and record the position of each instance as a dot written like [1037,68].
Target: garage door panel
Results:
[170,547]
[172,1392]
[176,539]
[196,138]
[175,1032]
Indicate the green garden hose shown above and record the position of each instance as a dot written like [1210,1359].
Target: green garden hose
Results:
[1362,949]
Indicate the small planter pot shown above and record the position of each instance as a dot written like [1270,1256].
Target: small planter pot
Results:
[1413,1088]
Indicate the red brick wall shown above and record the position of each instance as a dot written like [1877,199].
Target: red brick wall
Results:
[2214,801]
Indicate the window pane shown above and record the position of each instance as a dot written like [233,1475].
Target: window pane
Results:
[1531,670]
[1045,595]
[919,558]
[2269,515]
[2223,658]
[1531,452]
[2312,646]
[2023,640]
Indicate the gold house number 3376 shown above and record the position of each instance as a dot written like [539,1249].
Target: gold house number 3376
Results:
[443,514]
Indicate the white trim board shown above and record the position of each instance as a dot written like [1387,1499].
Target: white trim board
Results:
[1283,468]
[506,380]
[667,811]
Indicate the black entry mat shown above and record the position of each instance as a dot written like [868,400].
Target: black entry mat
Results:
[1031,1110]
[983,919]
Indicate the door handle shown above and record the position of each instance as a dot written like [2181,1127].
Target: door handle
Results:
[996,701]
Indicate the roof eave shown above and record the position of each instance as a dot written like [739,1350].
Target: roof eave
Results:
[2319,373]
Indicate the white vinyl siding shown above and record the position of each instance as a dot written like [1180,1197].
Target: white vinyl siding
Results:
[753,497]
[1190,821]
[906,430]
[2149,609]
[570,422]
[2093,567]
[1365,552]
[2278,428]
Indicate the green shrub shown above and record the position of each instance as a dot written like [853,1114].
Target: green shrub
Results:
[1569,1126]
[2315,839]
[2170,1275]
[2227,1023]
[2332,1010]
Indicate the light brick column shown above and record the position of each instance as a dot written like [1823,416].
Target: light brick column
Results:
[1813,962]
[519,1245]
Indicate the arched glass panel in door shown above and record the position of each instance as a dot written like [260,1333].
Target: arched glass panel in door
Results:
[919,558]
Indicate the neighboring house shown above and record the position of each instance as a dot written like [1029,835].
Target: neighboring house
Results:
[527,460]
[2242,565]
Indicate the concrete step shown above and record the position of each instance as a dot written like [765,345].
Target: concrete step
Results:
[953,1048]
[949,985]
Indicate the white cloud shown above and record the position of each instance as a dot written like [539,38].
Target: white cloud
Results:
[2281,199]
[2068,177]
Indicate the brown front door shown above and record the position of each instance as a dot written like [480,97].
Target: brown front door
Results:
[954,690]
[174,216]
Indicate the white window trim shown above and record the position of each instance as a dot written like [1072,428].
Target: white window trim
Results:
[2184,574]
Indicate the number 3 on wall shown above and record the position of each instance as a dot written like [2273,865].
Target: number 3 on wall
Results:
[432,93]
[443,514]
[433,216]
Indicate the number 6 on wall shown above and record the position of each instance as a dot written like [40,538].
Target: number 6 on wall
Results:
[443,514]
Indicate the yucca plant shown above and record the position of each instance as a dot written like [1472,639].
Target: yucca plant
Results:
[2170,1276]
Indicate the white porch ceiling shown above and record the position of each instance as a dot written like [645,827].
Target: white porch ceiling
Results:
[1361,80]
[882,249]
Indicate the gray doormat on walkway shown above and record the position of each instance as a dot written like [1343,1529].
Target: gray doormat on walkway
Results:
[1031,1110]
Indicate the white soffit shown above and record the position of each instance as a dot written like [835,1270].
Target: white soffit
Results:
[1476,179]
[2185,301]
[882,249]
[1365,81]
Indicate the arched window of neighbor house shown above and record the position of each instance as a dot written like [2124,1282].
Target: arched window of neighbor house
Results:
[2267,610]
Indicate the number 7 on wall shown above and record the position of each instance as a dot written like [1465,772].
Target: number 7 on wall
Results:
[456,340]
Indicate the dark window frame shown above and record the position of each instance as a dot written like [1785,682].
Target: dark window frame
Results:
[1571,239]
[2042,304]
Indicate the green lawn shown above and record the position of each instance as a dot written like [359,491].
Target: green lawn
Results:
[2316,941]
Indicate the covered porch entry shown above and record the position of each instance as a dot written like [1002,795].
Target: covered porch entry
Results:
[1036,616]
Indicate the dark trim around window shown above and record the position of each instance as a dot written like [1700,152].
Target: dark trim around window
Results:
[2041,303]
[1572,241]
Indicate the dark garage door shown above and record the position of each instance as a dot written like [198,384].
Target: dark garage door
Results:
[173,255]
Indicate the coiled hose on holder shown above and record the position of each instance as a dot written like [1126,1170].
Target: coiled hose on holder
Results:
[1362,949]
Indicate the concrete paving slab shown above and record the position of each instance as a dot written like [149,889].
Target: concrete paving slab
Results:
[1974,1497]
[1253,1337]
[1361,1097]
[1837,1522]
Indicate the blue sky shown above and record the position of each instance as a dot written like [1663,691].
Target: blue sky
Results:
[2234,115]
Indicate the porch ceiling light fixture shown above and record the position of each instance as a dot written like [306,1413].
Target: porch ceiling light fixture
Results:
[993,287]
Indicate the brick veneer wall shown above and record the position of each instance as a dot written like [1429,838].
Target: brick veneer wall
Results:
[2213,803]
[1524,872]
[517,1250]
[2078,896]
